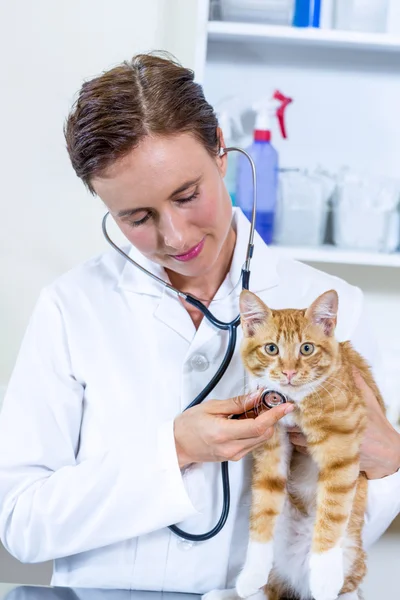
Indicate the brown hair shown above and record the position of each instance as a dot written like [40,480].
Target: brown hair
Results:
[115,111]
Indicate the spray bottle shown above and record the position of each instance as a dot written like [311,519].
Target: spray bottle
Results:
[229,122]
[265,159]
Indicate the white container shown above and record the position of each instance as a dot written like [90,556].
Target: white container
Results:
[327,14]
[361,15]
[302,209]
[366,229]
[276,12]
[393,18]
[365,215]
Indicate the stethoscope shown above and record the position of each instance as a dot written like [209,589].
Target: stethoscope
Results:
[268,398]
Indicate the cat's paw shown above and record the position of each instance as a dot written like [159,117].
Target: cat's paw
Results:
[326,574]
[256,569]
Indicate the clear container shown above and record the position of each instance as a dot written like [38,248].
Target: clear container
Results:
[276,12]
[366,229]
[302,209]
[366,213]
[361,15]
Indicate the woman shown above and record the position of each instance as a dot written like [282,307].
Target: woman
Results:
[96,457]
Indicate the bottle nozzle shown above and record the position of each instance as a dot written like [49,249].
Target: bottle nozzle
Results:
[280,113]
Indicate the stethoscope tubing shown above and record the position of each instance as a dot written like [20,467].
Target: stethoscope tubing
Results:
[230,326]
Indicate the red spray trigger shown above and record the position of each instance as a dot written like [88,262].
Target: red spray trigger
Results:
[280,113]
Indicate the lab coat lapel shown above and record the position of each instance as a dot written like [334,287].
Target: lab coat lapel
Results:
[134,280]
[169,310]
[173,314]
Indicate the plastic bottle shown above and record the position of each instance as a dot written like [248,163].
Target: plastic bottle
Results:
[266,162]
[307,13]
[228,122]
[362,15]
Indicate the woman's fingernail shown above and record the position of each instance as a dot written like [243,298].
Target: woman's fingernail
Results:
[289,408]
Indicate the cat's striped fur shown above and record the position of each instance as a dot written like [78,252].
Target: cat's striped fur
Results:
[307,512]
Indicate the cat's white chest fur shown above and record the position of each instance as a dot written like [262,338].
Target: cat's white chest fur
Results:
[288,420]
[293,533]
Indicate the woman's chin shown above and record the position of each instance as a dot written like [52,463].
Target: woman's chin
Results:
[195,268]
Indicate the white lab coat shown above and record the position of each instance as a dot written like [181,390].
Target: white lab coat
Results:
[88,468]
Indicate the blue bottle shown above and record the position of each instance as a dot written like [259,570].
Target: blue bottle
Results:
[266,162]
[307,13]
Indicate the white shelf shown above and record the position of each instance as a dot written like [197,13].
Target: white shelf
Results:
[331,254]
[329,38]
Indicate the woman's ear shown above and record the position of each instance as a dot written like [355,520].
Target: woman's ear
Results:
[222,158]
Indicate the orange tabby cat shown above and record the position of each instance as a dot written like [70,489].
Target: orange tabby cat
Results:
[307,510]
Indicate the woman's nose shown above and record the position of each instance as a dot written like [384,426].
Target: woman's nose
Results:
[172,229]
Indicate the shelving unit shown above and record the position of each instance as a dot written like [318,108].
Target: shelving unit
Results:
[248,60]
[346,91]
[334,255]
[223,31]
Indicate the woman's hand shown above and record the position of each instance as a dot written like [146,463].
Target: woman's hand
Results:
[205,433]
[380,449]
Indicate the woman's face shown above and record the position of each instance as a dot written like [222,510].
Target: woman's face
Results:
[169,199]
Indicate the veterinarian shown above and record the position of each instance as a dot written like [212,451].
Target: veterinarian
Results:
[97,458]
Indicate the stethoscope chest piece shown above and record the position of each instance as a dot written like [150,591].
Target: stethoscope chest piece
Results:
[271,398]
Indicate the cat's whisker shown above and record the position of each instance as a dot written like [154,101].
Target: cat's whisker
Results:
[314,391]
[244,391]
[328,392]
[339,380]
[342,391]
[339,390]
[338,387]
[318,395]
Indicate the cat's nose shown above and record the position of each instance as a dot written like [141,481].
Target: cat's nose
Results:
[290,373]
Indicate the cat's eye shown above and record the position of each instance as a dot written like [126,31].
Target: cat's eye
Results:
[271,349]
[307,349]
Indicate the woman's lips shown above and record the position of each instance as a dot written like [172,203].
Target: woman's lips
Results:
[192,253]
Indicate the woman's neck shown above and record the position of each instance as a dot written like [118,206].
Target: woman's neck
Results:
[205,287]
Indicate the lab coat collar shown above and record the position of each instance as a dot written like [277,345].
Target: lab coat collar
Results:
[263,267]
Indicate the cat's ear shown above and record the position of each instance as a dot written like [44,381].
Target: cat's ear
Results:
[323,312]
[253,313]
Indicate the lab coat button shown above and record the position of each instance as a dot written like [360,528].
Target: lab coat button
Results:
[185,544]
[199,362]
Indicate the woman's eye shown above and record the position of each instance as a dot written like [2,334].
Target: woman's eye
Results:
[271,349]
[189,198]
[307,349]
[140,221]
[148,215]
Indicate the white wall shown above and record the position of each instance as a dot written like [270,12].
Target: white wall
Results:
[48,221]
